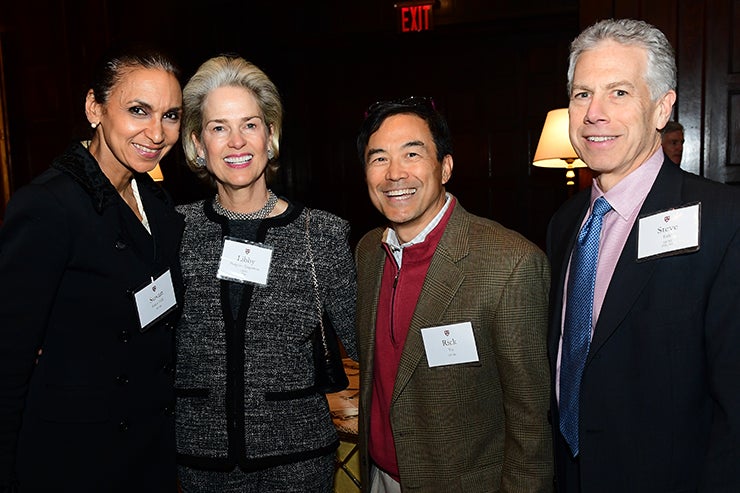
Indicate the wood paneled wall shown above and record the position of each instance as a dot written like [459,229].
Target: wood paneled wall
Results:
[706,37]
[494,67]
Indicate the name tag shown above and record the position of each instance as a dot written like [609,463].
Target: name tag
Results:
[244,261]
[669,232]
[155,300]
[450,344]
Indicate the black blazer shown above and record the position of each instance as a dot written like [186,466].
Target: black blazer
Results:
[660,398]
[94,412]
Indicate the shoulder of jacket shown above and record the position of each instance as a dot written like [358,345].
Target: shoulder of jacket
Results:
[324,223]
[482,230]
[190,209]
[370,241]
[52,190]
[325,217]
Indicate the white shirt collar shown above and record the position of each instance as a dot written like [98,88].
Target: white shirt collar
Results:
[390,237]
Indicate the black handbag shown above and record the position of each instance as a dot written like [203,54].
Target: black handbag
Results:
[329,375]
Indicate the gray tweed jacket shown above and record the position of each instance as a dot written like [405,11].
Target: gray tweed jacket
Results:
[244,381]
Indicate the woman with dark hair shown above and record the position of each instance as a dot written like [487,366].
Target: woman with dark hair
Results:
[89,295]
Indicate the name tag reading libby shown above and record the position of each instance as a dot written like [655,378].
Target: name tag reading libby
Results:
[450,344]
[155,300]
[669,232]
[244,261]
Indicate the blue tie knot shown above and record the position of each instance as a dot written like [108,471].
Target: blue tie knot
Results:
[601,207]
[592,228]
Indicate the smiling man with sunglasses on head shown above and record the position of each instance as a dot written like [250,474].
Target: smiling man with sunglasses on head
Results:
[451,321]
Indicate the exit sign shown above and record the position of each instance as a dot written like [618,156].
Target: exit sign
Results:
[415,16]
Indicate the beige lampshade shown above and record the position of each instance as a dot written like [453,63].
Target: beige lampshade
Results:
[554,149]
[156,173]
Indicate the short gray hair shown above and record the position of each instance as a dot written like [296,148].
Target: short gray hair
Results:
[661,59]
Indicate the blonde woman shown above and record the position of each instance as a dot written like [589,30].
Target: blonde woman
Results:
[248,415]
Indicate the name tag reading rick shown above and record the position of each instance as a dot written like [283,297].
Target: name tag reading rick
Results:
[155,300]
[669,232]
[244,261]
[450,344]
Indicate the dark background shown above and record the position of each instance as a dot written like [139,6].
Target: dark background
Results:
[493,67]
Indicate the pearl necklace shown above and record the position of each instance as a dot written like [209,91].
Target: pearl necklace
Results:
[262,213]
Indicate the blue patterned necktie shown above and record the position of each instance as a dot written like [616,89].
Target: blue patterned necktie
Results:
[578,321]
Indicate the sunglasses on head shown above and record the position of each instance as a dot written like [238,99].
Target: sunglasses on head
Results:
[416,101]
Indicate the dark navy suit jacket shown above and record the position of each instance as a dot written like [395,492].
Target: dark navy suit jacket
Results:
[660,398]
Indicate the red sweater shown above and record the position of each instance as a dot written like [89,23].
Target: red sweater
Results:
[399,293]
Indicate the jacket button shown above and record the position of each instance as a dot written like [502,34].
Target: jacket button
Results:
[123,426]
[124,335]
[169,411]
[167,326]
[121,379]
[169,368]
[120,245]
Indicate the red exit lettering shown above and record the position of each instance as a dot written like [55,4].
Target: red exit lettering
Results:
[415,18]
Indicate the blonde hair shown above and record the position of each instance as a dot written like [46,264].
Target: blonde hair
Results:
[221,71]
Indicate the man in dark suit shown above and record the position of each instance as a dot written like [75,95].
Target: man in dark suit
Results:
[646,378]
[451,321]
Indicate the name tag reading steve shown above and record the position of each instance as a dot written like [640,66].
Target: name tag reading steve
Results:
[450,344]
[244,261]
[669,232]
[155,300]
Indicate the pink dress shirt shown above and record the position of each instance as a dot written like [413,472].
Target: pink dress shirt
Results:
[626,199]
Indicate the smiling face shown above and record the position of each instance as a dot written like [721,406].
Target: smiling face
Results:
[139,123]
[235,138]
[404,178]
[613,120]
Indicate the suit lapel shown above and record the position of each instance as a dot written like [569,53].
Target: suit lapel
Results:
[562,246]
[165,225]
[367,313]
[630,276]
[442,282]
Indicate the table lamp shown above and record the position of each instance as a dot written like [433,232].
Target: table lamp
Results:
[554,149]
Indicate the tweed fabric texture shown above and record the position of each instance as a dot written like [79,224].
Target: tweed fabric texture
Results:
[477,427]
[244,383]
[309,476]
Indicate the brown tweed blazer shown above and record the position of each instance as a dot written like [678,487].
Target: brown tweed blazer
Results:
[479,427]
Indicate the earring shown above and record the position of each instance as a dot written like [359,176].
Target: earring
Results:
[200,162]
[270,153]
[94,125]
